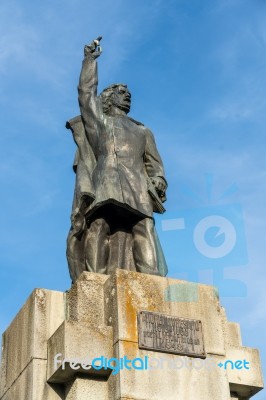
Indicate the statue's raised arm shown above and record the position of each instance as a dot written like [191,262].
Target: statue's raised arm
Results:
[89,103]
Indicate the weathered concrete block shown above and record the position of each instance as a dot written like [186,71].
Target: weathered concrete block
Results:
[31,385]
[26,337]
[85,388]
[233,334]
[173,377]
[79,341]
[85,299]
[127,293]
[244,382]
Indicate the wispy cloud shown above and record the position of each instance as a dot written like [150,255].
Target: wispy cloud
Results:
[17,39]
[21,48]
[233,111]
[26,177]
[23,42]
[239,58]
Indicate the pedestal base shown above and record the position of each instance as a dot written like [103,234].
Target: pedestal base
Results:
[59,345]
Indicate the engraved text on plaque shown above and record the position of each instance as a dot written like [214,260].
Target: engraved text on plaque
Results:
[170,334]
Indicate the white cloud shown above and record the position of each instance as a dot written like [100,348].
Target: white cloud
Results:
[221,6]
[25,42]
[232,111]
[26,177]
[21,49]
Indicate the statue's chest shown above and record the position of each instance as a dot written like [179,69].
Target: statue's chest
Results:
[123,136]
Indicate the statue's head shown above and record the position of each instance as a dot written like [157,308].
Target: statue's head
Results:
[117,96]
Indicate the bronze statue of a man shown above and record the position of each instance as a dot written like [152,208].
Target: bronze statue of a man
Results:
[120,181]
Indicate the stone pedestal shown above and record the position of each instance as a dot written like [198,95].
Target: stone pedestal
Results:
[59,344]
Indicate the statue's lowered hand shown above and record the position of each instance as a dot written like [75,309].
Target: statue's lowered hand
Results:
[93,48]
[160,185]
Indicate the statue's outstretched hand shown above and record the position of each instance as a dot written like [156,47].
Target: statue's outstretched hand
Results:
[93,48]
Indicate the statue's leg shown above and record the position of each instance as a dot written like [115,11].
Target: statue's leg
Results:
[97,246]
[75,255]
[144,250]
[120,221]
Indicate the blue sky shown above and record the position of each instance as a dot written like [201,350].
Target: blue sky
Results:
[196,71]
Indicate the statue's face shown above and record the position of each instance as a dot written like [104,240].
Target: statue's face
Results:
[122,98]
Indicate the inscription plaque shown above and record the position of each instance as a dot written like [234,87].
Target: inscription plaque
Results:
[168,334]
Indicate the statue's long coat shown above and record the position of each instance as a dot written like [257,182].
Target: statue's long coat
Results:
[115,161]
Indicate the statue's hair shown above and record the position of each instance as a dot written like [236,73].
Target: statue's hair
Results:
[106,96]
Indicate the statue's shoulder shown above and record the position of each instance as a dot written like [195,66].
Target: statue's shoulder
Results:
[136,122]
